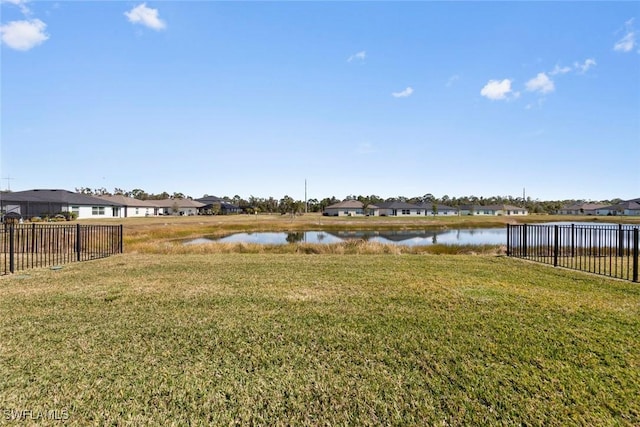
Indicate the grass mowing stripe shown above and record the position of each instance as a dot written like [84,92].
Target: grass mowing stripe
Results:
[306,339]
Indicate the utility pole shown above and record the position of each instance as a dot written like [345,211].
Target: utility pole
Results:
[8,178]
[306,204]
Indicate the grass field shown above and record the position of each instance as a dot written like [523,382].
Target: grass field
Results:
[294,339]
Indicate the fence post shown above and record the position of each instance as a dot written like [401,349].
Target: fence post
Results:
[121,248]
[620,241]
[12,250]
[508,240]
[33,238]
[78,242]
[635,254]
[524,240]
[555,245]
[573,240]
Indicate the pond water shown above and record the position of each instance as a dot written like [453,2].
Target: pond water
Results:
[493,236]
[468,236]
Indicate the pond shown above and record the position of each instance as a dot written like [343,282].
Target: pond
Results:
[467,236]
[490,236]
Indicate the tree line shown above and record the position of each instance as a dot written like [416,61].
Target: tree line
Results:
[289,205]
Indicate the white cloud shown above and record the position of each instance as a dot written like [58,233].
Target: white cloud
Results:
[584,67]
[560,70]
[405,93]
[21,4]
[360,56]
[540,83]
[628,42]
[497,90]
[24,35]
[452,80]
[146,16]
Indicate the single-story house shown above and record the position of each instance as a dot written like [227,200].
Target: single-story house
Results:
[132,207]
[215,205]
[183,207]
[626,208]
[581,209]
[345,208]
[43,202]
[399,209]
[441,210]
[495,210]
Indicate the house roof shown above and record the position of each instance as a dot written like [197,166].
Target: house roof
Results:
[347,204]
[182,203]
[629,204]
[210,199]
[64,197]
[584,206]
[426,205]
[129,201]
[397,205]
[491,208]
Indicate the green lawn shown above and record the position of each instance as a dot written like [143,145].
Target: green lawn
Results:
[291,339]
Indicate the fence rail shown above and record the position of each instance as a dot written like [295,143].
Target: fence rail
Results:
[24,246]
[609,250]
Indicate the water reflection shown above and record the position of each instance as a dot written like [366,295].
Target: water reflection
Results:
[477,236]
[459,236]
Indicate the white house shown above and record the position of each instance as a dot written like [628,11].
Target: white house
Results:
[492,210]
[440,210]
[42,203]
[132,207]
[581,209]
[399,209]
[626,208]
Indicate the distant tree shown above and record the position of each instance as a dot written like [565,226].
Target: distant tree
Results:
[139,194]
[295,237]
[328,201]
[428,198]
[313,205]
[285,205]
[84,190]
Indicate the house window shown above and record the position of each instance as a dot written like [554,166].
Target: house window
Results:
[406,212]
[75,210]
[97,210]
[137,211]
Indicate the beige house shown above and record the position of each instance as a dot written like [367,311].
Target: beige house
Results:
[345,208]
[582,209]
[183,207]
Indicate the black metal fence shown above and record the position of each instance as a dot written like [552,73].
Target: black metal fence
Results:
[610,250]
[24,246]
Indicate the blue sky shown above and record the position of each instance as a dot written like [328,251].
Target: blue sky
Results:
[384,98]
